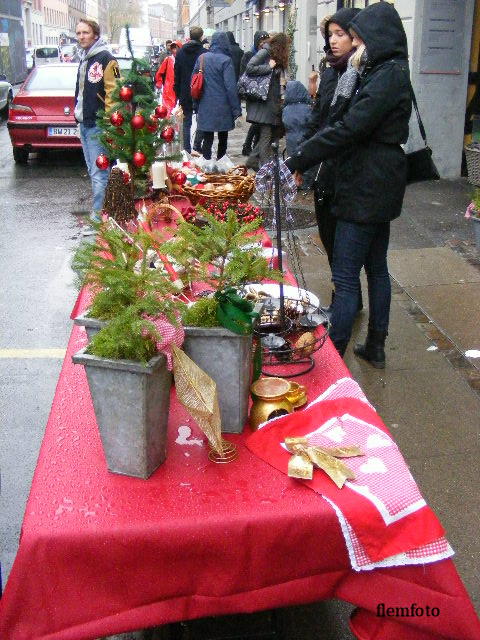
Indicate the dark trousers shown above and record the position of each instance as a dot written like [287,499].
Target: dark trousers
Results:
[252,137]
[207,144]
[326,221]
[356,246]
[187,132]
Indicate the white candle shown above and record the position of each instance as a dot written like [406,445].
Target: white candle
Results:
[159,173]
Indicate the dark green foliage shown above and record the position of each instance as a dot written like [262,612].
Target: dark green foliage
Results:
[225,244]
[201,314]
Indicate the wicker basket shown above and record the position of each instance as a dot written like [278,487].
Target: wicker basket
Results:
[242,187]
[472,156]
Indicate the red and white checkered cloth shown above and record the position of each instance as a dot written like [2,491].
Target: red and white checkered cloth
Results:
[384,519]
[169,335]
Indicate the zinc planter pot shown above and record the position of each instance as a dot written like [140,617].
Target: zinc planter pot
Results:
[92,325]
[227,358]
[131,403]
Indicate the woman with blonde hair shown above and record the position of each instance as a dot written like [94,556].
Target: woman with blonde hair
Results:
[370,111]
[271,59]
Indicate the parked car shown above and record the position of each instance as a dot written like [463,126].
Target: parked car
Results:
[46,54]
[6,96]
[69,53]
[42,113]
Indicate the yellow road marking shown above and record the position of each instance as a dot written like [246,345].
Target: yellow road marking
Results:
[32,353]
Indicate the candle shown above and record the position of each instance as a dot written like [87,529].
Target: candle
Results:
[159,173]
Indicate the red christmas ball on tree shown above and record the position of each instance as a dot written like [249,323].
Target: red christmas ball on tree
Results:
[116,119]
[138,121]
[167,134]
[179,178]
[126,93]
[139,158]
[161,111]
[102,161]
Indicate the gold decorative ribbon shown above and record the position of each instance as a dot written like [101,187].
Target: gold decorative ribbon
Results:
[305,457]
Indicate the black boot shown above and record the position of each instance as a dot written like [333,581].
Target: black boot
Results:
[373,351]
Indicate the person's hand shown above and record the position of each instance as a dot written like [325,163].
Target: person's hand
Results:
[298,178]
[272,63]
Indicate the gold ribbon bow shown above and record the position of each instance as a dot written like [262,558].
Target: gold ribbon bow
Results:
[304,457]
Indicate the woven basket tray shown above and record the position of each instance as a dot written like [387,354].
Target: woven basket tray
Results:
[472,156]
[240,189]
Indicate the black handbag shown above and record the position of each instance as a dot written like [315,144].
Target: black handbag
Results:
[254,87]
[420,164]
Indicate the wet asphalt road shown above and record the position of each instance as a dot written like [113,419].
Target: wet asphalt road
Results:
[42,210]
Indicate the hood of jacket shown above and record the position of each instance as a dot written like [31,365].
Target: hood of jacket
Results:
[343,17]
[97,46]
[296,92]
[381,29]
[259,35]
[231,37]
[220,43]
[192,47]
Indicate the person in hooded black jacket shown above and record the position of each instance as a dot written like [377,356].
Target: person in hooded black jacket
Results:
[184,62]
[259,37]
[236,52]
[337,52]
[370,124]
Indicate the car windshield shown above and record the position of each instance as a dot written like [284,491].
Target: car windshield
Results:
[46,52]
[52,77]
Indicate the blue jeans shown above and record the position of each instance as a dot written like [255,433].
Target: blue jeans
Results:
[92,148]
[187,129]
[356,246]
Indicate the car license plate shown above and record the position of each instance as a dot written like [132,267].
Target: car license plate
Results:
[64,132]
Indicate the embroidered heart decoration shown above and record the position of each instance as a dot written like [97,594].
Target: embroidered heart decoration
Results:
[336,434]
[373,465]
[376,441]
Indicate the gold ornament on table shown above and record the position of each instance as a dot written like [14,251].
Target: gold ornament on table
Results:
[305,345]
[197,392]
[305,457]
[270,399]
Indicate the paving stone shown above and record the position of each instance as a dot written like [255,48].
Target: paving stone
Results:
[422,267]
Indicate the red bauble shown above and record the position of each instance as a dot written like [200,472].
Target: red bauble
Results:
[179,178]
[139,158]
[152,125]
[138,121]
[116,119]
[126,94]
[102,161]
[161,111]
[168,134]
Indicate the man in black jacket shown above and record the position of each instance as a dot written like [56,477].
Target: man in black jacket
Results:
[184,64]
[96,79]
[236,53]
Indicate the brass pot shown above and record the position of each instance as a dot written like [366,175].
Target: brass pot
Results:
[297,394]
[270,400]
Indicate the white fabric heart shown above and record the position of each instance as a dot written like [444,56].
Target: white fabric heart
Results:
[373,465]
[376,441]
[336,434]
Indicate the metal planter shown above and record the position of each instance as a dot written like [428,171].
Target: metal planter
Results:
[227,358]
[92,325]
[131,403]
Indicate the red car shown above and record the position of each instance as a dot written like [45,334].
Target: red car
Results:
[42,113]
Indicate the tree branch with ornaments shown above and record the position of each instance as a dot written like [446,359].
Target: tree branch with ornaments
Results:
[137,129]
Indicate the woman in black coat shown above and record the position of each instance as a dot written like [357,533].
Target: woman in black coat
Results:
[338,50]
[371,110]
[271,59]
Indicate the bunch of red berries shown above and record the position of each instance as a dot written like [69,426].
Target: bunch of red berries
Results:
[245,212]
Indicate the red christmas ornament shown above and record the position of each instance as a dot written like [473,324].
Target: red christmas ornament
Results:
[168,134]
[161,111]
[126,93]
[102,161]
[152,125]
[138,121]
[179,178]
[139,158]
[116,119]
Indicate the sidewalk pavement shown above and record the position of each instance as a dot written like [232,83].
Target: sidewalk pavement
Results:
[428,394]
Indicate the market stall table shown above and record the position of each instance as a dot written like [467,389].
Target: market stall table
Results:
[101,553]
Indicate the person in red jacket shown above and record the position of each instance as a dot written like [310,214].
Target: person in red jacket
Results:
[165,77]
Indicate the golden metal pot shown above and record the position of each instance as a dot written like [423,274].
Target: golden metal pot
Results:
[297,394]
[269,400]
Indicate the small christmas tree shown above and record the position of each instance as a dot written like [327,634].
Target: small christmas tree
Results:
[137,127]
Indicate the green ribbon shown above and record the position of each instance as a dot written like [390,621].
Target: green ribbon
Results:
[234,312]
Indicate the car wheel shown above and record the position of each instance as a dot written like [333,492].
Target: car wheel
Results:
[4,111]
[20,155]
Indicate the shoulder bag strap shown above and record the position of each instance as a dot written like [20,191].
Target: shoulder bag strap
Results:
[415,106]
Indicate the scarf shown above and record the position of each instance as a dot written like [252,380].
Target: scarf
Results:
[339,64]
